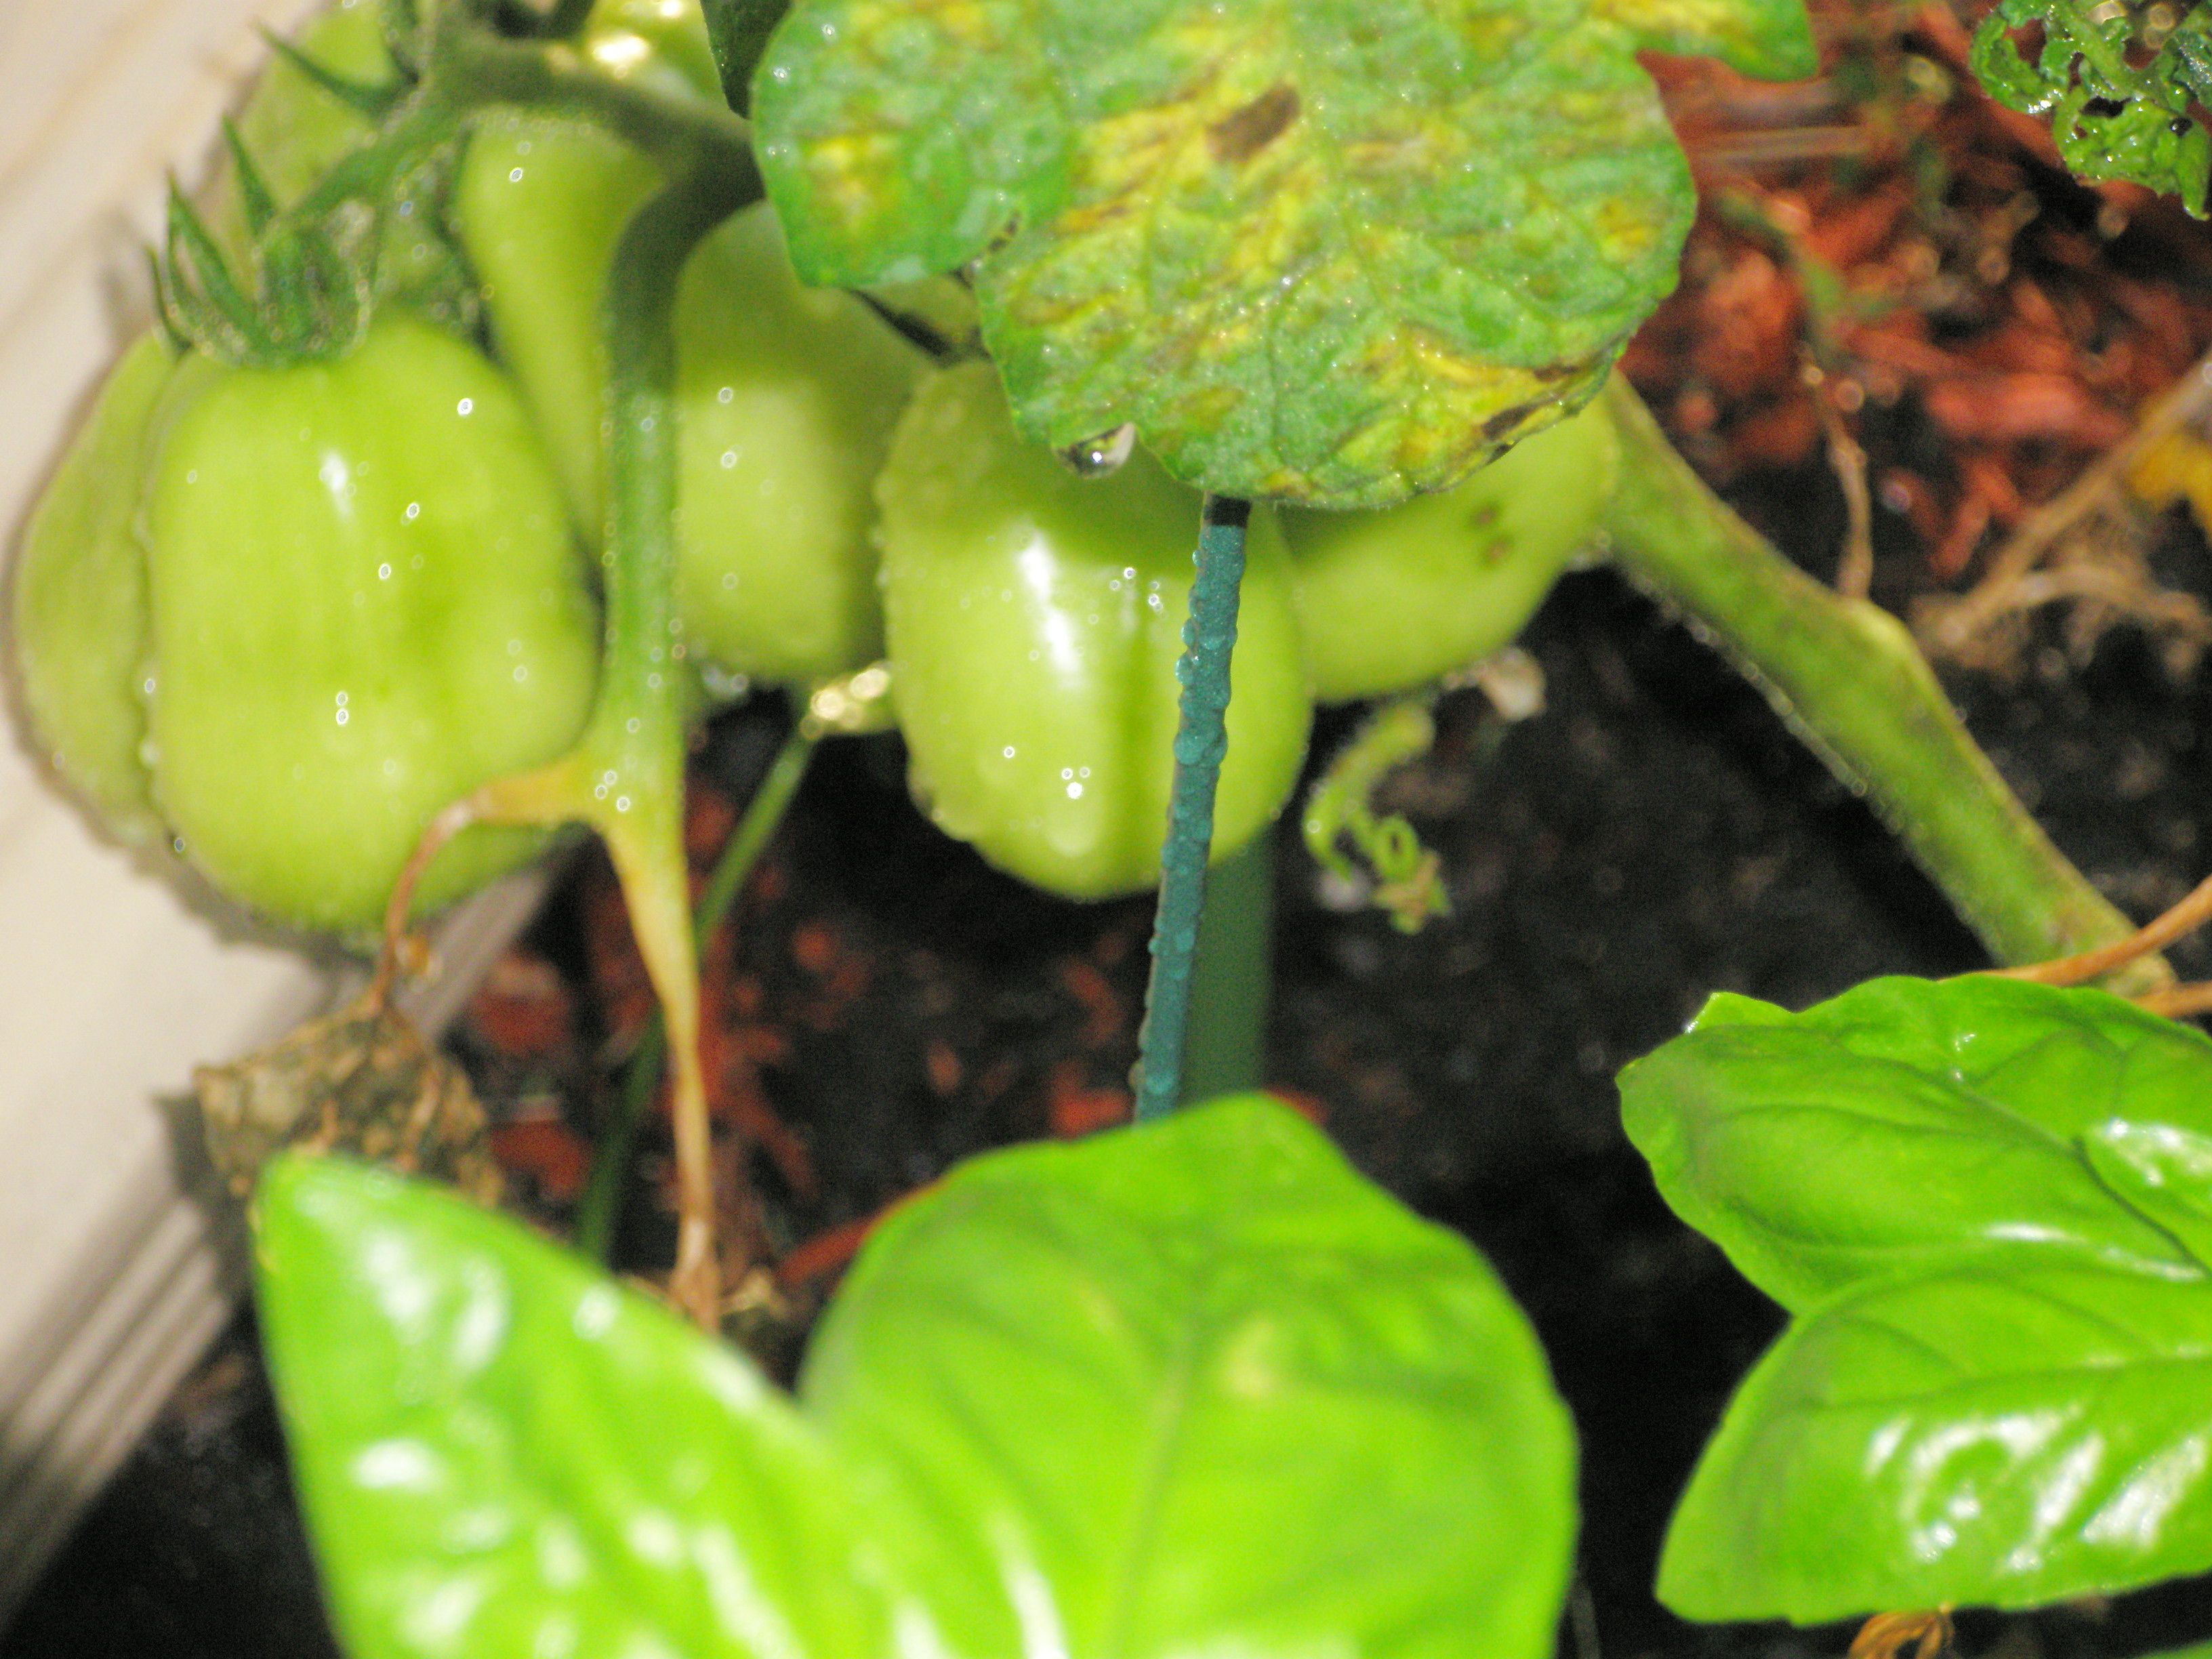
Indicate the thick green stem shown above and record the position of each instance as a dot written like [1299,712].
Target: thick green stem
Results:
[601,1206]
[625,776]
[1848,680]
[1209,638]
[1225,1049]
[468,69]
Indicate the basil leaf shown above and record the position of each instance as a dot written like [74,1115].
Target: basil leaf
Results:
[2006,1434]
[500,1451]
[1909,1126]
[2163,1170]
[1331,251]
[1197,1387]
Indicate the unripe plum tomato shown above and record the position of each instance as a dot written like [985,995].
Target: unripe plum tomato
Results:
[365,601]
[1034,618]
[786,397]
[1393,599]
[79,612]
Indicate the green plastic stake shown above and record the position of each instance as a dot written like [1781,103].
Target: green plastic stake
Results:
[1209,640]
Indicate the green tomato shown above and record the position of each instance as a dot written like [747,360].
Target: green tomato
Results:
[80,604]
[364,603]
[786,397]
[1035,619]
[1393,600]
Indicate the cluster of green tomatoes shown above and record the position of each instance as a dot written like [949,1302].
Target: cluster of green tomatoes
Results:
[278,617]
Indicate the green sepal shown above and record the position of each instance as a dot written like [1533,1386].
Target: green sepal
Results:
[371,101]
[739,30]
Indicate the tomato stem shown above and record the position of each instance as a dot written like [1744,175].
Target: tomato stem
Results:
[1848,680]
[1209,638]
[625,776]
[1225,1052]
[601,1206]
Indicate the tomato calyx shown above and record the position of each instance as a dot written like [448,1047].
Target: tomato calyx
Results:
[307,299]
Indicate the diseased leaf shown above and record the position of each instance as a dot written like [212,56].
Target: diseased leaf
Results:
[1198,1387]
[1912,1127]
[361,1080]
[1764,37]
[500,1451]
[2007,1435]
[1332,251]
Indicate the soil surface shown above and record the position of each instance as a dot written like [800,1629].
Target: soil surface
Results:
[884,1004]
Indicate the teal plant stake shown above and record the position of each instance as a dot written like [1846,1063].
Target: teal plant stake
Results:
[1209,638]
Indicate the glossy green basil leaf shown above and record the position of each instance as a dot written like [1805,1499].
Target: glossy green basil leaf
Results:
[2007,1435]
[1332,251]
[1198,1387]
[1195,1388]
[502,1452]
[2162,1169]
[1912,1127]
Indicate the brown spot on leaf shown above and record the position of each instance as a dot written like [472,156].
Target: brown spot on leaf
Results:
[1508,420]
[1242,134]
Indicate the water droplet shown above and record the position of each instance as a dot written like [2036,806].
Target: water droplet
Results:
[466,407]
[1095,457]
[729,459]
[384,573]
[413,512]
[514,177]
[1007,752]
[727,394]
[521,673]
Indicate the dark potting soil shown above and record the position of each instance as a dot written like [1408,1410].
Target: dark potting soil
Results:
[1655,835]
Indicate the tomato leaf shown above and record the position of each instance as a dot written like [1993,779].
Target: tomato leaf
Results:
[2006,1434]
[1333,250]
[1909,1126]
[1197,1387]
[500,1451]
